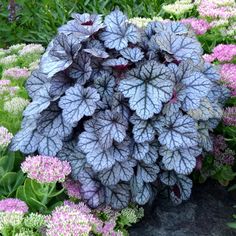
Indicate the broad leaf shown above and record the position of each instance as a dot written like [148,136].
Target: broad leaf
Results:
[49,146]
[182,190]
[139,150]
[40,103]
[60,82]
[51,122]
[118,32]
[105,84]
[74,156]
[35,82]
[168,178]
[206,110]
[118,196]
[121,171]
[181,47]
[148,172]
[60,56]
[78,102]
[183,160]
[118,63]
[26,141]
[88,140]
[152,154]
[81,69]
[93,194]
[132,54]
[205,139]
[179,131]
[147,87]
[143,130]
[110,126]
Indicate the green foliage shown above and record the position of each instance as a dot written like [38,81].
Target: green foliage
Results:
[38,20]
[38,196]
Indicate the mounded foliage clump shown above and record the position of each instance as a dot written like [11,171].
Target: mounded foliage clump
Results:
[131,109]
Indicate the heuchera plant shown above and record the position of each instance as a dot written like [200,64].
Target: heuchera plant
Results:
[129,108]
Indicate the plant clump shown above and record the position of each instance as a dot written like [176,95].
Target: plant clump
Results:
[129,108]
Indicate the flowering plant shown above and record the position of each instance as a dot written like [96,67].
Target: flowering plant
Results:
[129,108]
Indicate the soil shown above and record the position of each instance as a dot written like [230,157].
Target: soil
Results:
[207,213]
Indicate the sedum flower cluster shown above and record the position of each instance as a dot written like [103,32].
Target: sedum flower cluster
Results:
[45,169]
[15,105]
[5,137]
[72,188]
[228,75]
[199,26]
[13,205]
[180,7]
[230,116]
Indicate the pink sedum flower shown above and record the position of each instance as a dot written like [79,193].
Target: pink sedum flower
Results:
[229,117]
[199,26]
[46,169]
[70,220]
[16,73]
[224,52]
[13,205]
[228,75]
[4,82]
[5,137]
[31,49]
[72,188]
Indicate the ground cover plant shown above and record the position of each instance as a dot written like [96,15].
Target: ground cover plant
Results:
[129,108]
[37,201]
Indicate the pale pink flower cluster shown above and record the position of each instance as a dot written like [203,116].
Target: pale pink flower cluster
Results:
[45,169]
[70,220]
[16,105]
[31,49]
[222,53]
[72,188]
[8,60]
[223,154]
[228,75]
[4,82]
[230,116]
[16,73]
[13,205]
[199,26]
[217,9]
[5,137]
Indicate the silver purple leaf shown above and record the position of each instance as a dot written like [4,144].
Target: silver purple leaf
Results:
[182,190]
[105,84]
[179,131]
[60,82]
[147,87]
[110,126]
[120,171]
[26,141]
[49,145]
[118,33]
[143,130]
[35,82]
[168,178]
[147,172]
[180,46]
[182,160]
[117,196]
[60,56]
[78,102]
[132,54]
[81,69]
[51,122]
[139,150]
[71,153]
